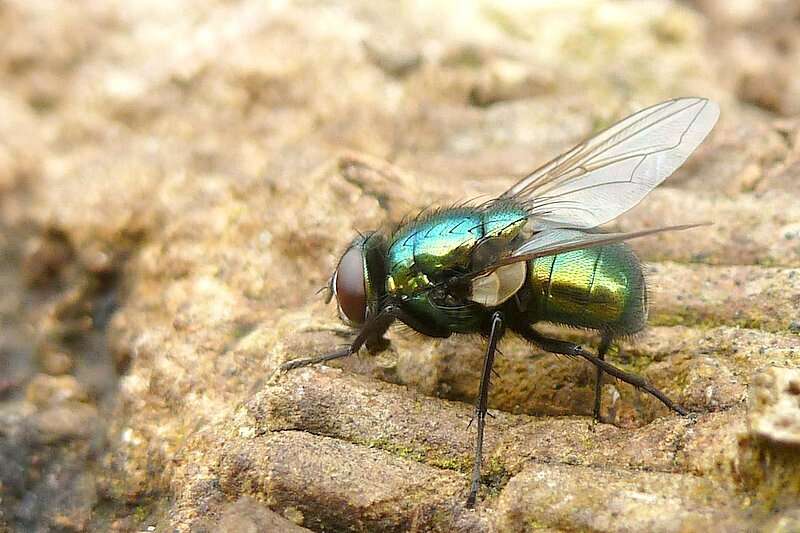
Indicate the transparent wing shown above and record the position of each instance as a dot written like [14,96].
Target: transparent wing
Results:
[606,175]
[560,240]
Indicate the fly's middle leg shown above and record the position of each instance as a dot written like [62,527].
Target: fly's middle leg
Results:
[605,344]
[495,334]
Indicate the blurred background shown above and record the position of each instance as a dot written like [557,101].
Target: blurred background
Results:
[163,190]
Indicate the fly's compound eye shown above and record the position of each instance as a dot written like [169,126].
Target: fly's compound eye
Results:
[349,286]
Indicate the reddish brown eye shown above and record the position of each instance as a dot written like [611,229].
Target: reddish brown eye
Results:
[350,289]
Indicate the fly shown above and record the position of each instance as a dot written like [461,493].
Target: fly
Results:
[530,255]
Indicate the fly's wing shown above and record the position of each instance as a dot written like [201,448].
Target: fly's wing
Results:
[559,240]
[608,174]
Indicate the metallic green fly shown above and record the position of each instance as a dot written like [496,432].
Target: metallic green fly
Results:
[528,256]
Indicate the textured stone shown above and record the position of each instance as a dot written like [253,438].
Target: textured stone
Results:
[63,422]
[775,406]
[613,500]
[346,485]
[249,516]
[46,390]
[178,179]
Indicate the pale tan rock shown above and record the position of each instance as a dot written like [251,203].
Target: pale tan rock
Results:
[64,422]
[178,179]
[46,390]
[613,500]
[775,406]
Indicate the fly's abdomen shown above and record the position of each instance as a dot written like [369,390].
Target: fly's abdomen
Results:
[599,288]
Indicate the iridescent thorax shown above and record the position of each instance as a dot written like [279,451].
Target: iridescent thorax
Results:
[434,247]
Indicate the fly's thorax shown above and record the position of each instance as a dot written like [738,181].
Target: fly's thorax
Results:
[424,255]
[421,251]
[435,246]
[599,288]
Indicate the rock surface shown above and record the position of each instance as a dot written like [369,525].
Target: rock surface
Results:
[178,179]
[775,413]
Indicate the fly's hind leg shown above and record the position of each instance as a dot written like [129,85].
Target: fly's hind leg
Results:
[605,344]
[572,349]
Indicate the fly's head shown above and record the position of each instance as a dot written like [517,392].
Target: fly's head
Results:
[357,282]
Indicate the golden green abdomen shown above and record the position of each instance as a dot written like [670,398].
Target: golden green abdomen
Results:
[599,288]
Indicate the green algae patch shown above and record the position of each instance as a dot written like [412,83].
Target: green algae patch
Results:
[712,318]
[495,475]
[422,454]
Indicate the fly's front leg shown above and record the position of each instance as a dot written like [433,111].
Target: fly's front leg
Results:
[309,361]
[372,329]
[569,348]
[495,334]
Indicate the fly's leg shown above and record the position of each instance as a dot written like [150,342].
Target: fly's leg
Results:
[605,343]
[371,332]
[569,348]
[309,361]
[495,334]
